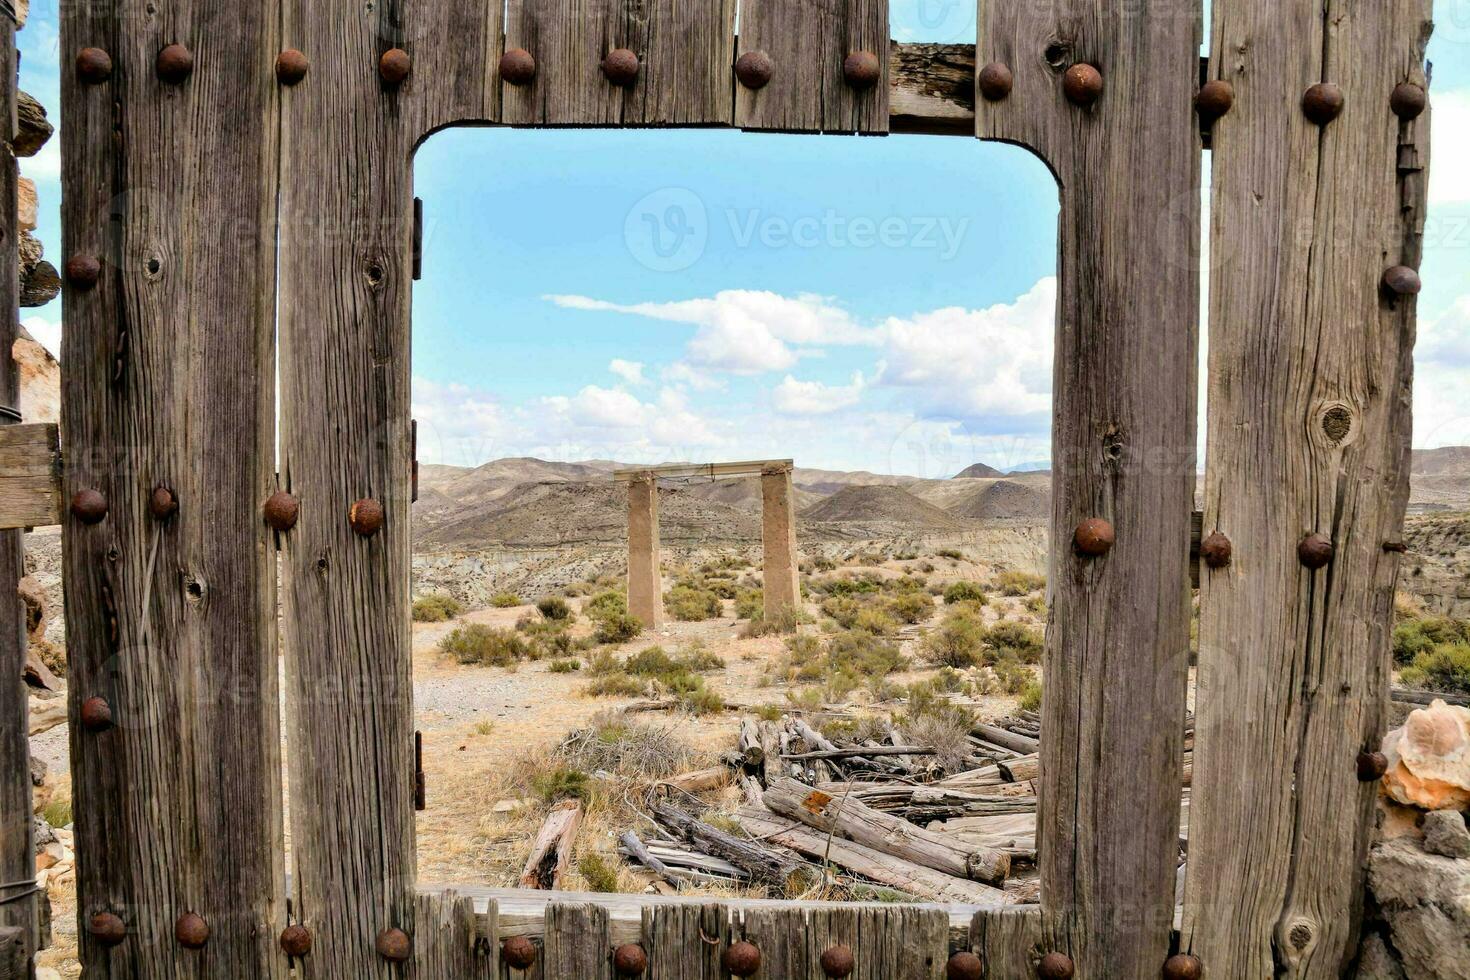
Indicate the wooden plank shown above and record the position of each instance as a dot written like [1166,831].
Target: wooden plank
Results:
[168,380]
[781,936]
[713,471]
[30,488]
[578,942]
[450,940]
[1123,450]
[685,80]
[839,927]
[14,955]
[932,88]
[686,941]
[808,41]
[901,942]
[1310,390]
[1010,942]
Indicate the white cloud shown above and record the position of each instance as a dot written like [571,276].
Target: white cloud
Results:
[45,166]
[629,371]
[1450,152]
[1441,397]
[458,424]
[793,397]
[686,376]
[605,408]
[47,334]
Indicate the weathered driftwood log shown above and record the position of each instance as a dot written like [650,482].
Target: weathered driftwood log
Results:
[859,753]
[921,804]
[551,851]
[1008,739]
[771,865]
[859,822]
[699,781]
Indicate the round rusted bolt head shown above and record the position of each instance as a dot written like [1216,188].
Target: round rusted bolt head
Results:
[107,929]
[621,67]
[296,941]
[1323,103]
[1408,100]
[282,510]
[94,66]
[89,506]
[963,966]
[742,959]
[1215,98]
[838,962]
[1216,550]
[395,66]
[394,945]
[1094,538]
[1371,766]
[1402,281]
[518,952]
[1082,84]
[1055,966]
[862,69]
[755,69]
[1315,551]
[191,931]
[175,64]
[995,81]
[1182,966]
[291,67]
[517,66]
[83,271]
[630,960]
[163,503]
[366,517]
[96,715]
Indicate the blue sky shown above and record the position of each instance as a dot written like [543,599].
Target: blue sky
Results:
[856,303]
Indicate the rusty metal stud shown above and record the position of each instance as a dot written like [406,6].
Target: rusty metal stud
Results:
[1395,548]
[291,67]
[296,941]
[89,506]
[621,67]
[1182,966]
[191,931]
[1408,100]
[995,81]
[742,960]
[83,271]
[630,960]
[517,67]
[1216,550]
[755,69]
[1371,766]
[1083,85]
[964,966]
[1094,538]
[1055,966]
[96,715]
[1216,97]
[1402,281]
[366,517]
[395,66]
[163,503]
[1323,103]
[175,64]
[107,929]
[1315,551]
[838,962]
[282,510]
[862,70]
[518,952]
[94,66]
[394,945]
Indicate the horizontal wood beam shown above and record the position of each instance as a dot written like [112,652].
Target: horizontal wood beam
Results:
[932,89]
[711,470]
[30,476]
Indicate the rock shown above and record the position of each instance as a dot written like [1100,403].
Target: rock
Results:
[1425,900]
[27,204]
[41,286]
[1429,758]
[40,401]
[30,250]
[1375,962]
[22,12]
[1445,834]
[34,129]
[38,771]
[43,832]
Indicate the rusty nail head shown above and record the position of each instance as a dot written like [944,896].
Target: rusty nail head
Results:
[296,941]
[163,504]
[621,67]
[282,510]
[862,69]
[1183,966]
[1402,281]
[1322,103]
[1408,100]
[96,714]
[1055,966]
[1216,97]
[1395,547]
[1082,84]
[630,960]
[517,66]
[1094,538]
[366,517]
[175,64]
[838,962]
[742,959]
[963,966]
[107,929]
[191,930]
[83,271]
[1371,766]
[291,67]
[94,66]
[755,69]
[1315,551]
[518,952]
[89,506]
[995,81]
[394,945]
[395,65]
[1216,550]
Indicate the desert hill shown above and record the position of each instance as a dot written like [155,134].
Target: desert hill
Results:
[884,504]
[1006,499]
[978,471]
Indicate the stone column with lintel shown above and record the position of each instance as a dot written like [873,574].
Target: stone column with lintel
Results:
[778,538]
[645,579]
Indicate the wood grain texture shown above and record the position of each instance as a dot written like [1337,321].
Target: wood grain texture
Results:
[451,942]
[1123,450]
[1010,942]
[168,373]
[578,942]
[1310,386]
[30,475]
[808,40]
[685,942]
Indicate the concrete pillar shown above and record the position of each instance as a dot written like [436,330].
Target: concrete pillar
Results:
[778,536]
[645,582]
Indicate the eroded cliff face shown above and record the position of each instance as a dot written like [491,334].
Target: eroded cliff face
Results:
[40,380]
[1437,565]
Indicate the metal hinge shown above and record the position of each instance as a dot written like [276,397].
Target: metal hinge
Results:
[420,783]
[418,239]
[413,452]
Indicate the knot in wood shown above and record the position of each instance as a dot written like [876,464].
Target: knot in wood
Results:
[995,81]
[755,69]
[1337,423]
[964,966]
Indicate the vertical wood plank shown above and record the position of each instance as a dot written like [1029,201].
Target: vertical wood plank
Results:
[688,48]
[1310,389]
[578,942]
[1123,451]
[168,380]
[1010,942]
[685,942]
[781,936]
[830,927]
[451,941]
[902,943]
